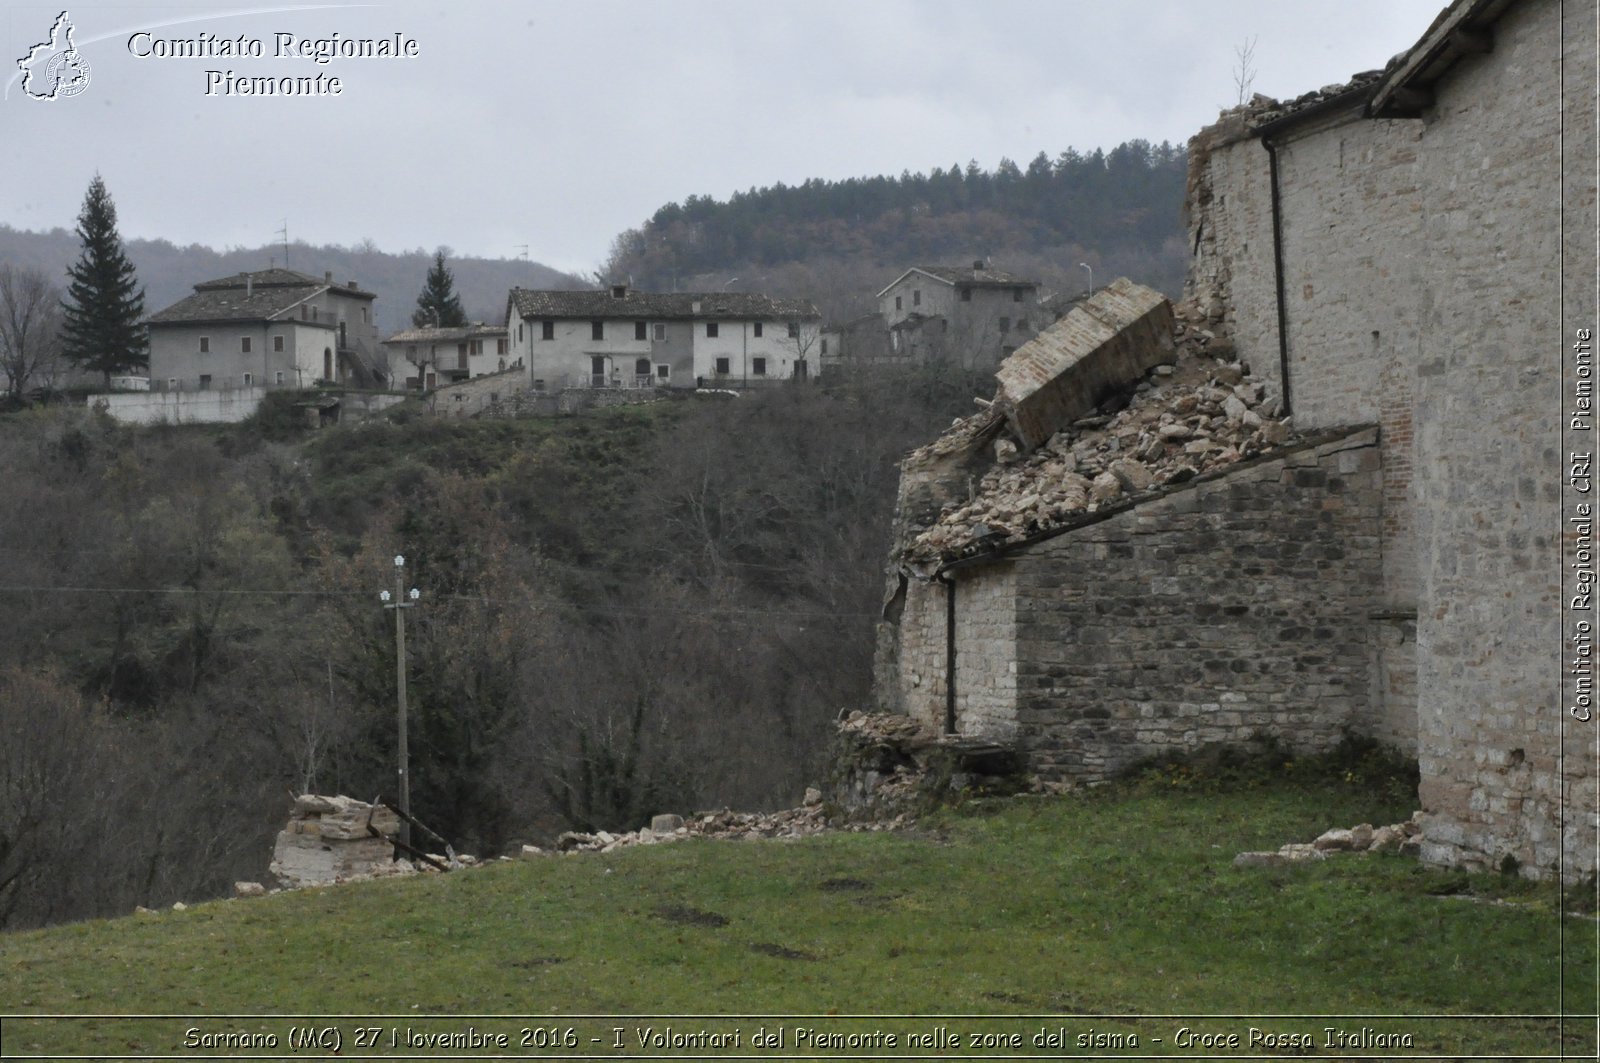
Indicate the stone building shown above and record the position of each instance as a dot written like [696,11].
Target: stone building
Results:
[975,316]
[1385,261]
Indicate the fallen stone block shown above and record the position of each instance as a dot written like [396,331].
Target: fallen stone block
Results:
[1333,840]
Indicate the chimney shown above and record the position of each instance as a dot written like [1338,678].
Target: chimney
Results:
[327,277]
[351,284]
[694,307]
[619,291]
[249,282]
[977,266]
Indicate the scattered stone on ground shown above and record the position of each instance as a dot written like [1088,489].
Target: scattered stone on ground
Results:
[1405,838]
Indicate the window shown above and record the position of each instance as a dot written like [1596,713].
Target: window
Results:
[277,344]
[205,344]
[313,313]
[1016,295]
[244,344]
[966,295]
[663,371]
[305,312]
[249,379]
[897,303]
[758,329]
[1022,323]
[519,332]
[641,367]
[597,330]
[365,311]
[461,356]
[500,347]
[824,345]
[205,381]
[640,330]
[794,330]
[722,367]
[172,383]
[661,332]
[758,366]
[277,378]
[711,334]
[1005,324]
[549,330]
[538,385]
[916,297]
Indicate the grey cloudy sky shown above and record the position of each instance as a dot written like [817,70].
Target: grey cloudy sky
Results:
[558,124]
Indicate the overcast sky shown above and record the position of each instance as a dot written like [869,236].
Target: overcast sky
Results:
[558,124]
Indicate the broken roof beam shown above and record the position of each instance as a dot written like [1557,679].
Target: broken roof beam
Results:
[1103,346]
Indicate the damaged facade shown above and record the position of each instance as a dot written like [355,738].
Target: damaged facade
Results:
[1189,563]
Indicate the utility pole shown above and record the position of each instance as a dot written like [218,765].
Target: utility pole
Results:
[401,601]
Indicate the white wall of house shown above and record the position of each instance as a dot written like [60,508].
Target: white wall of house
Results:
[771,355]
[212,356]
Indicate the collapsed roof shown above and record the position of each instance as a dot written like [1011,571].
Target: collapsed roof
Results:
[1114,401]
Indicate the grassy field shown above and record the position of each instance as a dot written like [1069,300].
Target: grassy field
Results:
[1024,916]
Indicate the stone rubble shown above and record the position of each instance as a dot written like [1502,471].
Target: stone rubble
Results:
[1181,421]
[326,842]
[1404,838]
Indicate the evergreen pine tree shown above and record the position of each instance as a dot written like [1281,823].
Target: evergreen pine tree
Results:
[438,304]
[102,329]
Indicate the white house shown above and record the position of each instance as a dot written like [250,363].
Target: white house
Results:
[430,357]
[623,338]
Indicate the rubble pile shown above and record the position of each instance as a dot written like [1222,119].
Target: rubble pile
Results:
[1182,420]
[327,841]
[1404,838]
[888,767]
[788,823]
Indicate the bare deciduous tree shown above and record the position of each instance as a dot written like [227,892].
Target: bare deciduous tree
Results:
[1244,69]
[30,328]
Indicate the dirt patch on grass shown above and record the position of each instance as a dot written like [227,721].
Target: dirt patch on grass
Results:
[686,916]
[769,949]
[844,885]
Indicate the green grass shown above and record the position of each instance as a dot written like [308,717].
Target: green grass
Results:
[1118,903]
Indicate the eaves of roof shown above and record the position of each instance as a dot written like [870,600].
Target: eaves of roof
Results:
[1464,28]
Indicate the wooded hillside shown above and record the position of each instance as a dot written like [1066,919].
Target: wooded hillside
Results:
[169,273]
[840,242]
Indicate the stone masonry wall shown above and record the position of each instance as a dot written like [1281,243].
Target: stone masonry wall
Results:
[1489,459]
[986,654]
[1422,261]
[1234,607]
[1351,217]
[913,681]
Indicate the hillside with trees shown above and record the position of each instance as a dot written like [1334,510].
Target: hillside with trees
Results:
[840,242]
[645,609]
[168,272]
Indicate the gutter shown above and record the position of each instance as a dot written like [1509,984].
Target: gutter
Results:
[1277,274]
